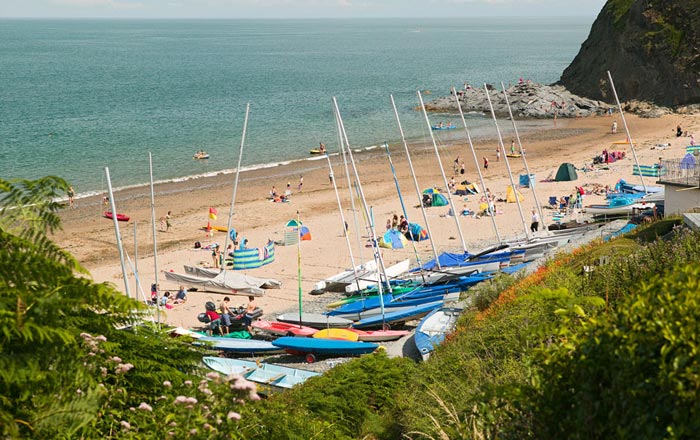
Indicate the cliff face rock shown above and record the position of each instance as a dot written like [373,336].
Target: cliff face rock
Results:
[527,100]
[651,47]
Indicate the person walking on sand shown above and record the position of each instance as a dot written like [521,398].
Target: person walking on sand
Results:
[461,168]
[168,225]
[486,163]
[301,182]
[614,127]
[71,195]
[535,225]
[455,165]
[498,155]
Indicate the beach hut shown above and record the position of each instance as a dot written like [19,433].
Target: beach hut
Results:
[416,232]
[511,194]
[291,233]
[393,239]
[566,173]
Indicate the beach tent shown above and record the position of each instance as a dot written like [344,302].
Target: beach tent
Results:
[566,173]
[435,197]
[527,181]
[304,233]
[688,162]
[416,232]
[466,188]
[510,195]
[393,239]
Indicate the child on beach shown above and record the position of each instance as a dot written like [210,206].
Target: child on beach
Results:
[486,163]
[71,194]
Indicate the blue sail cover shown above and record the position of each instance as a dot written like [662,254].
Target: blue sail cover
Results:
[448,259]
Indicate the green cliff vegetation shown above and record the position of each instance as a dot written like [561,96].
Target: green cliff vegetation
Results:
[619,8]
[612,352]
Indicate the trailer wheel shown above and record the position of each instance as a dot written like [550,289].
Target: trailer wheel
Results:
[310,358]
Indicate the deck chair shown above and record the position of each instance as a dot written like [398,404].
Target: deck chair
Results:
[553,202]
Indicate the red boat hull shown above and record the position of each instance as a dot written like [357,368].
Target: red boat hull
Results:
[120,217]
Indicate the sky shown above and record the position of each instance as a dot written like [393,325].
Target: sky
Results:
[296,8]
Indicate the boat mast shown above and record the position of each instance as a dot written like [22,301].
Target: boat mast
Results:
[235,185]
[299,269]
[342,219]
[415,183]
[116,232]
[403,206]
[522,155]
[627,130]
[442,171]
[352,196]
[155,246]
[510,174]
[476,164]
[373,235]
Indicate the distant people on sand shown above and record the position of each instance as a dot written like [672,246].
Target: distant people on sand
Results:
[71,195]
[455,165]
[322,147]
[486,163]
[614,127]
[679,131]
[168,225]
[512,146]
[249,313]
[215,255]
[461,168]
[181,296]
[692,141]
[301,182]
[498,155]
[273,192]
[388,224]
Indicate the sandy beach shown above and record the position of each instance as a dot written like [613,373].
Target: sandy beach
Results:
[91,238]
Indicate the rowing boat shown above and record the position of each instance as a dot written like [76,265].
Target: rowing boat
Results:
[120,217]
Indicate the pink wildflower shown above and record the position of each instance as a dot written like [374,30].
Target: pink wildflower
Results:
[146,407]
[233,415]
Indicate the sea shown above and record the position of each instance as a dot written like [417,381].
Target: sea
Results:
[77,96]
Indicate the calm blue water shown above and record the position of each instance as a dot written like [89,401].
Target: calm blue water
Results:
[76,96]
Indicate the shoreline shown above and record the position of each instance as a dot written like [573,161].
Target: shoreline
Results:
[91,239]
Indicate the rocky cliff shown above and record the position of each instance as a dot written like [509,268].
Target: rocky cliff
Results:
[651,48]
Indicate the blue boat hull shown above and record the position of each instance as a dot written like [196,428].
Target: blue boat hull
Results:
[324,346]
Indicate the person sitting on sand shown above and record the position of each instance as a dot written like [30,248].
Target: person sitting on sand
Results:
[181,296]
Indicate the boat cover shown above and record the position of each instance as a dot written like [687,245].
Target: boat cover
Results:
[226,281]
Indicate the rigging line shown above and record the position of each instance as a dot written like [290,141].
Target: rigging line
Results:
[415,182]
[627,130]
[403,206]
[476,164]
[342,219]
[510,174]
[442,171]
[522,155]
[350,189]
[373,235]
[235,182]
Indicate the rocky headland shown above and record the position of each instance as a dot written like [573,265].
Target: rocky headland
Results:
[651,48]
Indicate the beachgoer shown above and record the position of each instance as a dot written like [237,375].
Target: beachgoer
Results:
[105,200]
[154,293]
[486,163]
[692,141]
[403,224]
[244,244]
[226,313]
[512,146]
[388,224]
[215,255]
[301,182]
[249,311]
[455,166]
[181,296]
[534,226]
[71,194]
[273,192]
[214,321]
[679,131]
[168,225]
[164,300]
[395,221]
[614,127]
[610,111]
[321,147]
[498,155]
[461,168]
[452,184]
